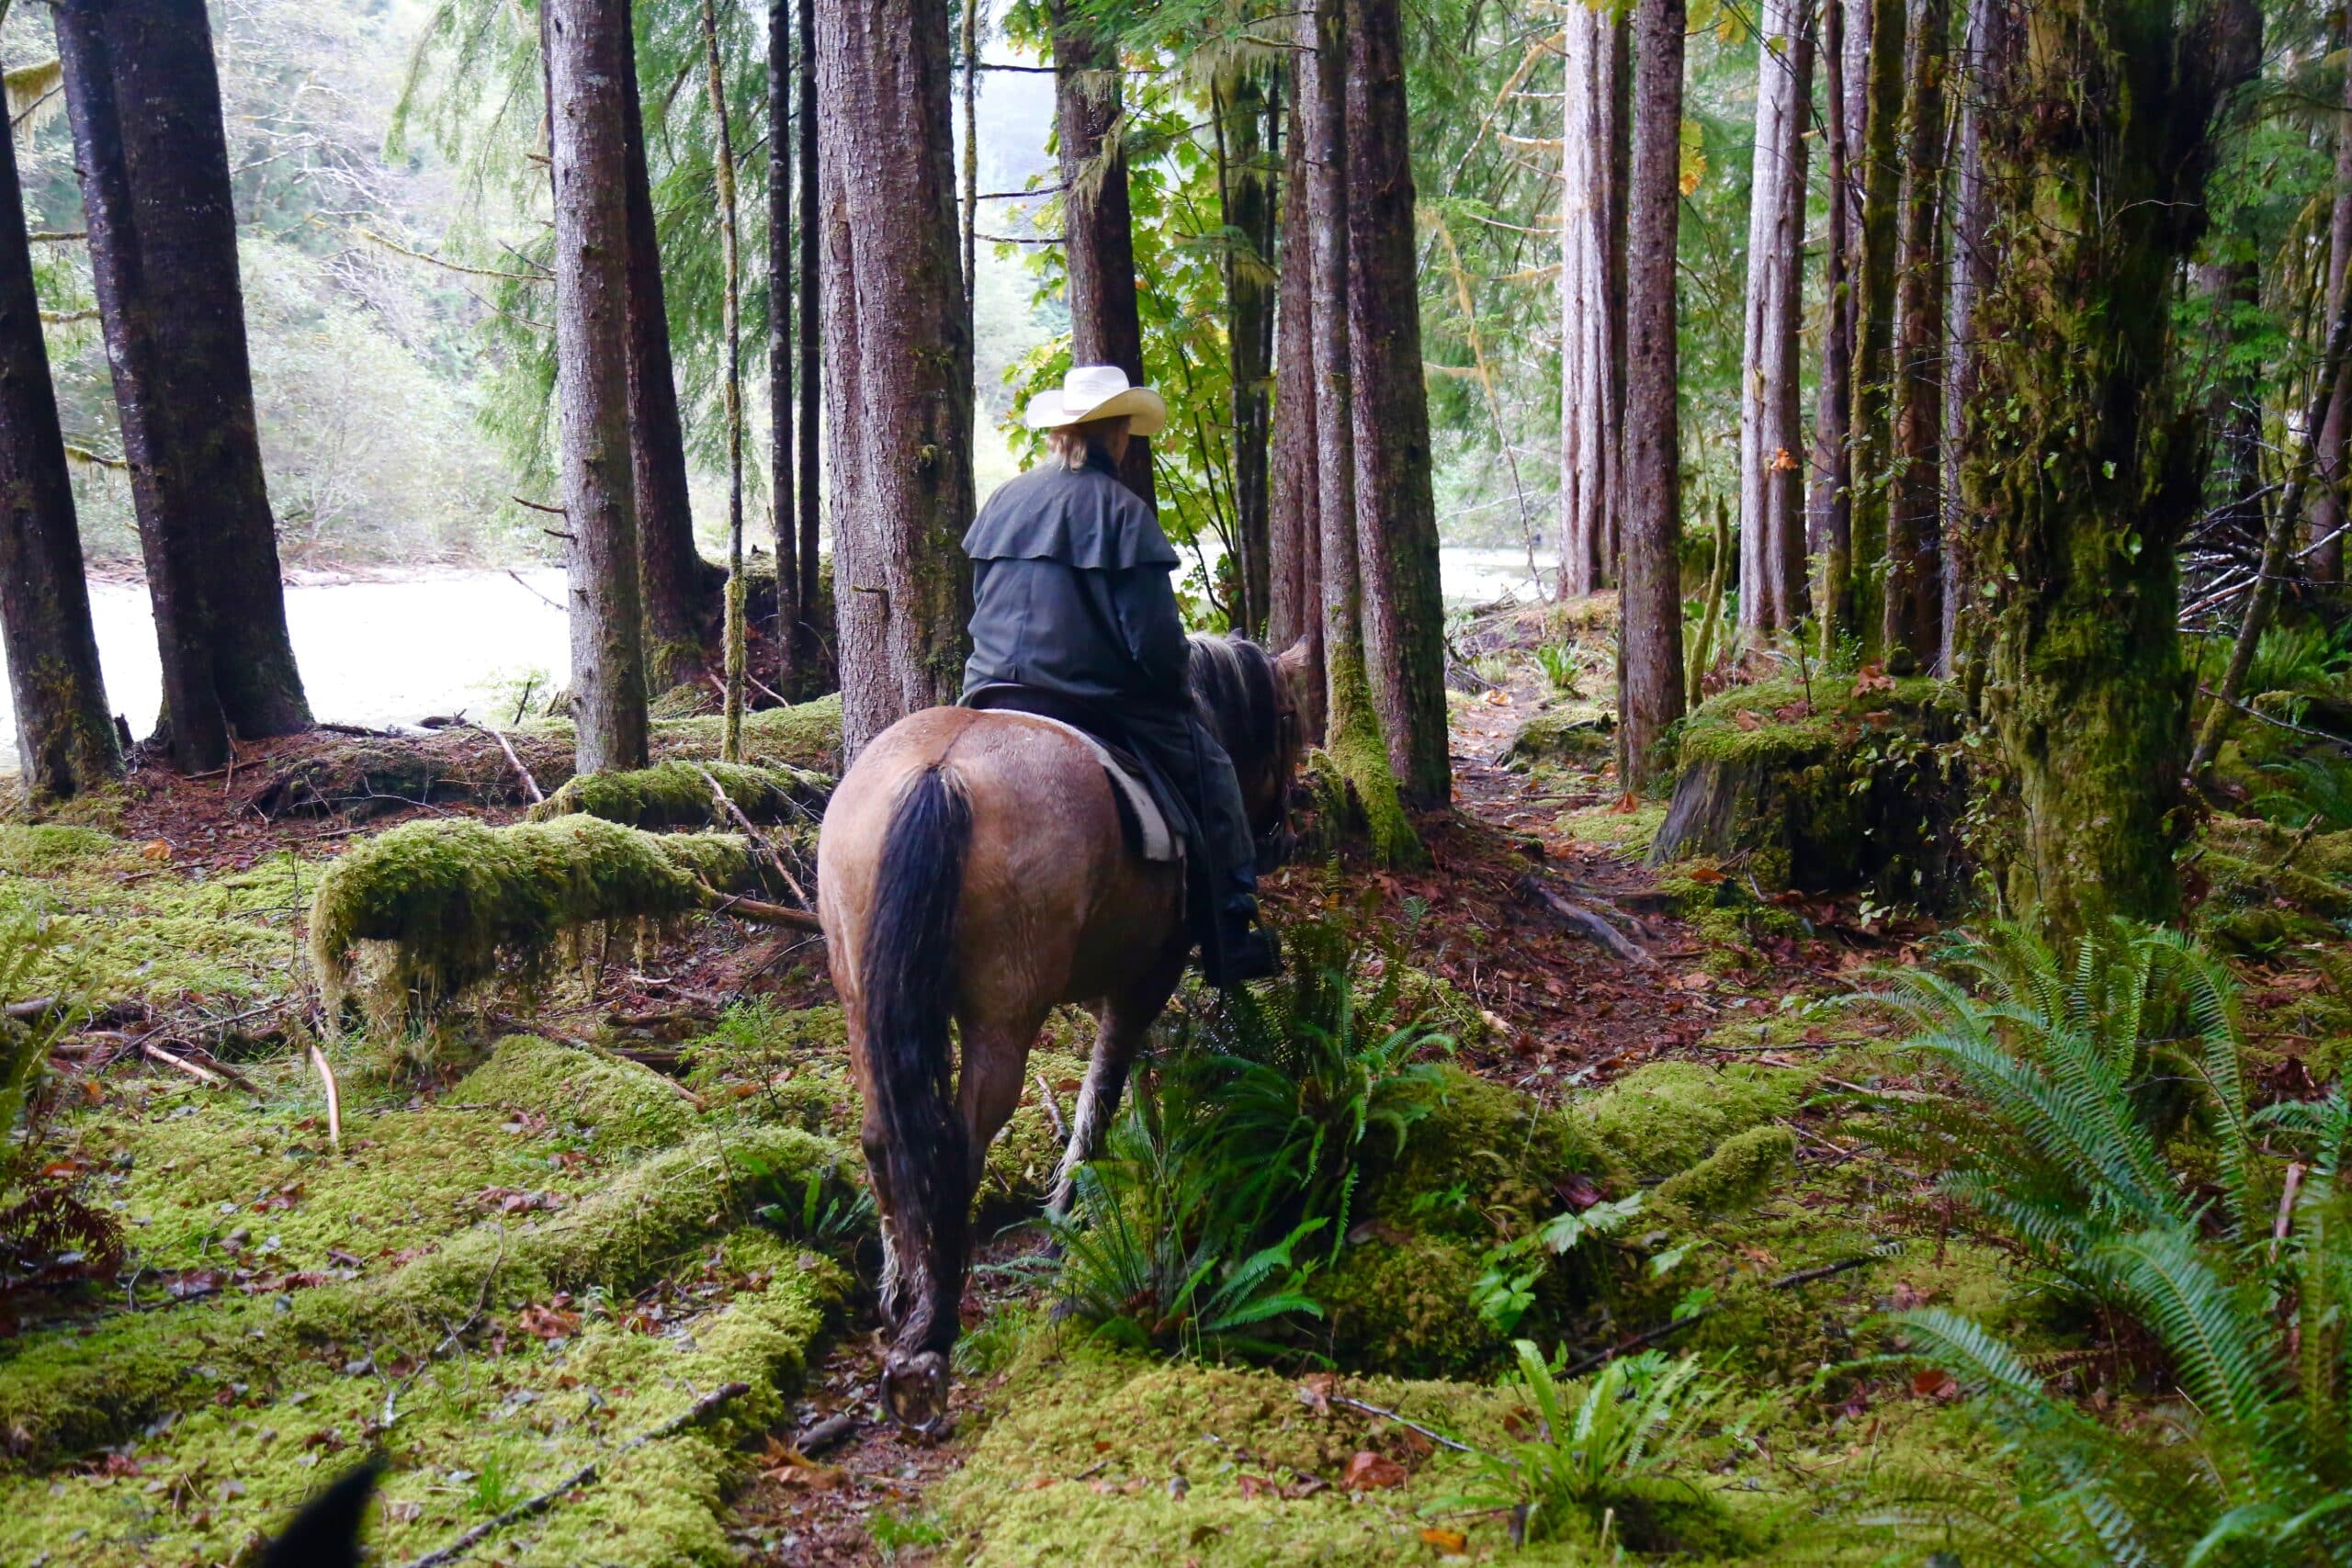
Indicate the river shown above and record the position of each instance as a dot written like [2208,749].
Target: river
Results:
[393,653]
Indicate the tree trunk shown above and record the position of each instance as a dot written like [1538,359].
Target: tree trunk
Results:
[1589,302]
[1352,721]
[1913,626]
[1650,695]
[1829,513]
[898,359]
[1985,50]
[1854,610]
[679,587]
[730,262]
[781,472]
[171,536]
[1247,109]
[1293,548]
[588,97]
[1771,490]
[1098,242]
[1396,511]
[2084,478]
[811,286]
[2328,508]
[66,737]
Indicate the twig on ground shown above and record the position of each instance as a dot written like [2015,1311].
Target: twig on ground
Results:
[693,1413]
[530,784]
[719,903]
[481,1305]
[1652,1336]
[1407,1423]
[1587,924]
[155,1053]
[830,1432]
[334,1097]
[1052,1110]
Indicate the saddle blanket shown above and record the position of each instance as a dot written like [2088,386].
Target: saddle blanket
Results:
[1157,839]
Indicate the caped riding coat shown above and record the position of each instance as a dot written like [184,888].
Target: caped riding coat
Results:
[1071,592]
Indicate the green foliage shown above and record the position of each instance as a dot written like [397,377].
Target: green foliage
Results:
[2102,1131]
[1247,1143]
[1635,1422]
[677,793]
[1512,1269]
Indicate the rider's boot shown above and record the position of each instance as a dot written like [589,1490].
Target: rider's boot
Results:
[1241,949]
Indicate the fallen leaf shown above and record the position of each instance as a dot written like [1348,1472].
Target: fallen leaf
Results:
[547,1322]
[1256,1486]
[156,849]
[1368,1470]
[1452,1543]
[1934,1383]
[1705,875]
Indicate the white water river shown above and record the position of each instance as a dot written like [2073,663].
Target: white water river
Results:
[393,652]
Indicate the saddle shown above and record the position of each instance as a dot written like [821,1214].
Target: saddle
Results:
[1151,821]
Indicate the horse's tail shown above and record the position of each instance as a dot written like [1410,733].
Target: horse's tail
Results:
[908,986]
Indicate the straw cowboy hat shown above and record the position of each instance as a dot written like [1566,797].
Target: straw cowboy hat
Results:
[1098,391]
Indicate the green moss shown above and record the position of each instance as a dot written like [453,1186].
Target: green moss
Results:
[675,795]
[1666,1117]
[1732,1178]
[2268,885]
[1498,1150]
[48,848]
[1405,1309]
[1629,833]
[538,1411]
[451,899]
[61,1394]
[622,1104]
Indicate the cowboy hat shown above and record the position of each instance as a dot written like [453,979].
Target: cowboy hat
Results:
[1097,391]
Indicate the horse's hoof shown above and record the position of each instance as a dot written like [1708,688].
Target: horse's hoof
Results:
[914,1391]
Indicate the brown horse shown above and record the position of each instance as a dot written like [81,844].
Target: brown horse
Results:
[973,868]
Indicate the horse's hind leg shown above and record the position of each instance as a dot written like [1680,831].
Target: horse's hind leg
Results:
[996,1058]
[1123,1019]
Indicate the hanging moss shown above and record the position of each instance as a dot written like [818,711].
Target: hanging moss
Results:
[453,900]
[675,794]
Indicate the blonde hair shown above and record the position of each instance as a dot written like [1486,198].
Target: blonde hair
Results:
[1072,444]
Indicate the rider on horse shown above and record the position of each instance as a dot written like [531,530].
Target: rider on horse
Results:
[1073,616]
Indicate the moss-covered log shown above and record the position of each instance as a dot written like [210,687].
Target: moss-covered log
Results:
[452,901]
[677,795]
[1853,793]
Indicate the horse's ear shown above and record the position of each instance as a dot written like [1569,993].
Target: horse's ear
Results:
[1292,661]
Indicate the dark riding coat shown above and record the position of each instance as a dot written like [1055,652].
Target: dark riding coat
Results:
[1071,596]
[1070,591]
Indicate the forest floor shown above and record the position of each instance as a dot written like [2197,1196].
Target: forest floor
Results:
[614,1219]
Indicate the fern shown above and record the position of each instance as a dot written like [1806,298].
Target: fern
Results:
[2073,1076]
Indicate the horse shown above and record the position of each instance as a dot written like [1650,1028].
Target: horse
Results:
[973,868]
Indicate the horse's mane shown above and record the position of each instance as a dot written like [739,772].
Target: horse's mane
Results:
[1233,691]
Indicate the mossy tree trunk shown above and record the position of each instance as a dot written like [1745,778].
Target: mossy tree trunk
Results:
[679,589]
[2328,509]
[1650,692]
[810,287]
[1404,607]
[1912,629]
[1352,721]
[1983,61]
[781,472]
[1771,488]
[1098,225]
[2084,465]
[1590,302]
[1293,548]
[1247,110]
[1850,607]
[731,379]
[1829,506]
[588,79]
[145,98]
[898,359]
[66,737]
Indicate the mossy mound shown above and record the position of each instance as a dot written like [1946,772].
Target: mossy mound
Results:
[1668,1117]
[453,900]
[676,794]
[806,735]
[609,1100]
[1838,789]
[520,1409]
[1497,1149]
[1732,1178]
[133,928]
[61,1394]
[2266,886]
[1403,1307]
[1582,739]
